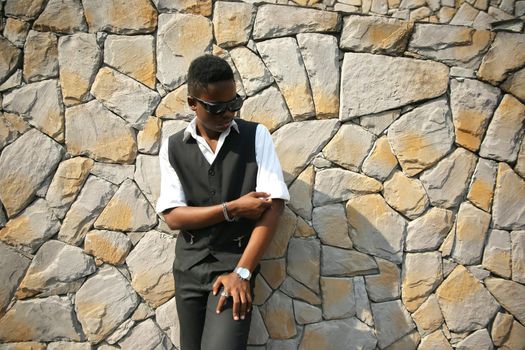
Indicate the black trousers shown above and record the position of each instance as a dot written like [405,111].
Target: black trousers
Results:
[201,328]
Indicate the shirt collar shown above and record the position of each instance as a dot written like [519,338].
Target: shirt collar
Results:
[191,129]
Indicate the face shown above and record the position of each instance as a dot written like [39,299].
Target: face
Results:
[223,91]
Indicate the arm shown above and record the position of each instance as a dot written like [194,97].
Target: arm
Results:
[261,237]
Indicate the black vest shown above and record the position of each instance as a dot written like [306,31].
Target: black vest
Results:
[232,174]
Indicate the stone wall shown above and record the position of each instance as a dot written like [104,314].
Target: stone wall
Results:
[399,126]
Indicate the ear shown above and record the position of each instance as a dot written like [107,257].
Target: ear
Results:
[192,103]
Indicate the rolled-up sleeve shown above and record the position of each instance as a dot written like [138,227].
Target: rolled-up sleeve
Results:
[269,174]
[171,193]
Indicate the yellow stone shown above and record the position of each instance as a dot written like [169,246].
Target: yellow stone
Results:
[150,135]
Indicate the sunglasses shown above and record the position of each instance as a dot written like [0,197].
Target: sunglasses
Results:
[221,107]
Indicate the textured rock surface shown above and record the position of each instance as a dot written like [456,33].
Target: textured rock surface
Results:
[337,334]
[278,316]
[349,262]
[304,262]
[109,247]
[376,228]
[429,230]
[481,191]
[386,285]
[62,16]
[471,229]
[420,138]
[465,303]
[506,54]
[509,295]
[338,297]
[268,108]
[421,274]
[405,195]
[96,132]
[232,23]
[166,317]
[372,84]
[254,74]
[41,56]
[26,163]
[428,316]
[283,59]
[12,268]
[174,51]
[388,331]
[509,199]
[518,257]
[331,226]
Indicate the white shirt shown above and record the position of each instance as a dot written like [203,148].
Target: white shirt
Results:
[269,173]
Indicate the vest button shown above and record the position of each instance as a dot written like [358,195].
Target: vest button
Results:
[211,172]
[212,192]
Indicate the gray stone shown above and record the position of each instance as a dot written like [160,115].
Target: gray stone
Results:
[509,294]
[114,173]
[421,137]
[380,161]
[147,176]
[275,21]
[198,7]
[480,339]
[497,253]
[436,340]
[375,228]
[338,334]
[349,147]
[56,269]
[133,56]
[39,104]
[79,57]
[516,336]
[103,302]
[15,31]
[481,191]
[268,108]
[232,23]
[375,34]
[96,132]
[254,74]
[121,331]
[277,313]
[292,151]
[505,55]
[258,333]
[174,105]
[167,318]
[128,210]
[143,311]
[429,230]
[26,164]
[283,59]
[465,15]
[29,230]
[40,56]
[375,83]
[11,127]
[298,291]
[507,124]
[501,328]
[471,229]
[64,345]
[304,261]
[67,182]
[15,80]
[377,123]
[62,16]
[331,225]
[518,256]
[222,53]
[387,284]
[148,139]
[406,195]
[428,316]
[362,304]
[90,202]
[124,96]
[387,331]
[515,85]
[108,246]
[321,60]
[151,266]
[337,185]
[349,262]
[146,335]
[447,182]
[465,303]
[472,103]
[452,45]
[509,200]
[12,268]
[174,54]
[301,193]
[27,9]
[40,319]
[306,313]
[285,230]
[121,16]
[421,274]
[338,297]
[274,271]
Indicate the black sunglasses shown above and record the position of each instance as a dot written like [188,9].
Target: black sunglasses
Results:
[221,107]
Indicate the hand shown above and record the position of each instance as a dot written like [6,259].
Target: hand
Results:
[251,205]
[238,289]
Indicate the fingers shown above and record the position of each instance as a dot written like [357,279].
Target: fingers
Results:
[217,285]
[260,194]
[236,302]
[220,304]
[243,306]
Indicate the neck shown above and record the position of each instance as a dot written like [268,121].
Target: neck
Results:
[206,133]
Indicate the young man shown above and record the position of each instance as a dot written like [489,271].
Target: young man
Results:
[222,187]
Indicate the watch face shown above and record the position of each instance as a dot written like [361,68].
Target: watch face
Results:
[243,272]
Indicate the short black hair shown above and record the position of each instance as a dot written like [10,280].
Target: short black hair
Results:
[205,70]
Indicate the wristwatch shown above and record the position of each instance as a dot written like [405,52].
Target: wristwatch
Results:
[243,273]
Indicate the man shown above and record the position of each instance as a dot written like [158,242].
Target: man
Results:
[222,187]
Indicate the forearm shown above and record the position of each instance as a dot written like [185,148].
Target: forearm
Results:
[192,218]
[262,235]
